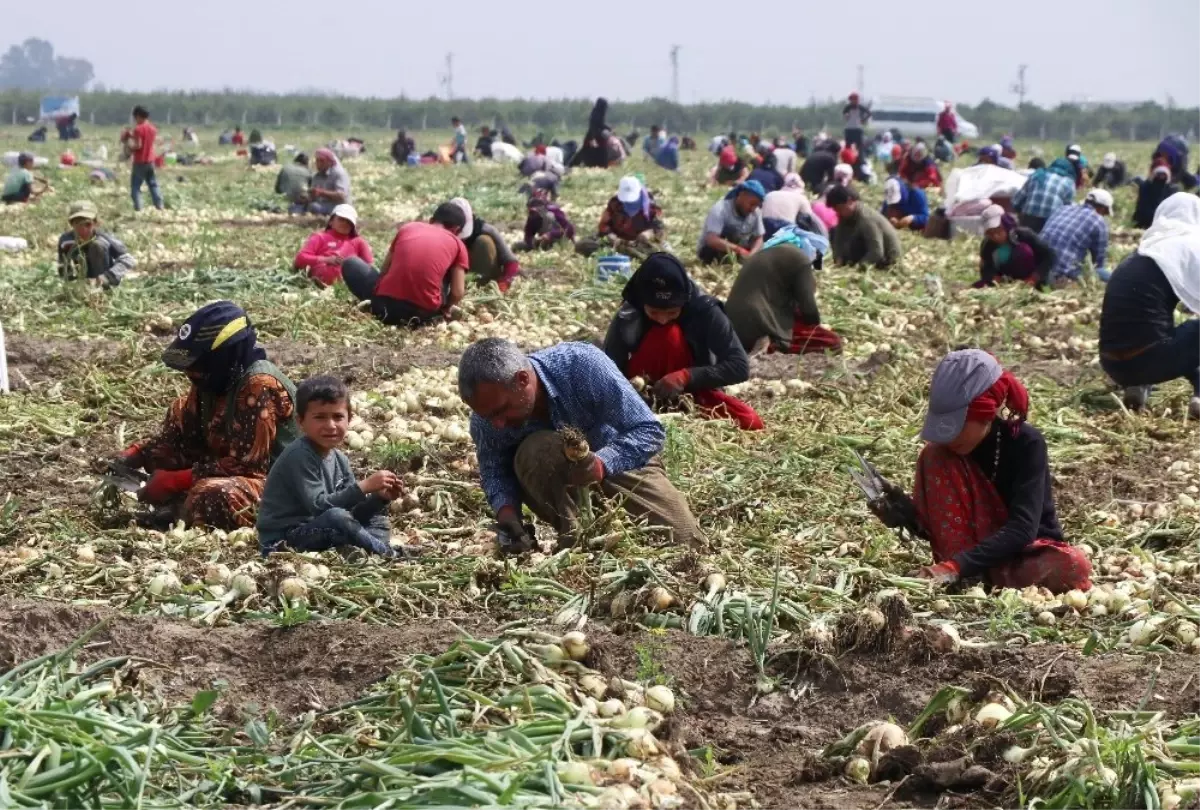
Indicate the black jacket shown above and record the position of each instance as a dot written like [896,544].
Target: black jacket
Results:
[817,169]
[1112,178]
[1151,193]
[1042,253]
[717,354]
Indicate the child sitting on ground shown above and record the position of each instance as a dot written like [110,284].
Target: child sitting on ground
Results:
[85,251]
[311,501]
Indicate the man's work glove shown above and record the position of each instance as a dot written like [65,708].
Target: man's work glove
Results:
[672,385]
[164,485]
[512,536]
[589,470]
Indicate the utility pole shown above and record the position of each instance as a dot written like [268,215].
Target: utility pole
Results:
[860,84]
[1019,87]
[675,73]
[447,78]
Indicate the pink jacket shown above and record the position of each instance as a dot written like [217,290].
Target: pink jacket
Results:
[327,243]
[825,214]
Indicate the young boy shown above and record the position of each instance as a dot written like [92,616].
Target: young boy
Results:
[311,501]
[141,142]
[18,186]
[87,252]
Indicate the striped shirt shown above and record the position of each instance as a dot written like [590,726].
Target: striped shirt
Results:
[585,391]
[1073,232]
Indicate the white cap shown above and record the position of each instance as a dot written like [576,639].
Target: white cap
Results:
[346,212]
[629,190]
[1162,169]
[990,216]
[843,171]
[1099,196]
[891,191]
[468,214]
[1110,160]
[1074,149]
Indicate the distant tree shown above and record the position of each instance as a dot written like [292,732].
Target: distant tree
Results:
[32,65]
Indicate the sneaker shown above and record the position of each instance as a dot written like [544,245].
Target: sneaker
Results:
[1136,396]
[1194,407]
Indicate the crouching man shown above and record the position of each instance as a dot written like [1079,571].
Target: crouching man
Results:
[520,404]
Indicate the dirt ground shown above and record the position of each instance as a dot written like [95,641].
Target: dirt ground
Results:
[762,744]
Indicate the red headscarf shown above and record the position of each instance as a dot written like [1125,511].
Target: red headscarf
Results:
[727,158]
[1006,391]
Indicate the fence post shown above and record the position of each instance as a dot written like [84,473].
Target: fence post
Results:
[14,115]
[243,118]
[389,124]
[424,121]
[278,118]
[92,118]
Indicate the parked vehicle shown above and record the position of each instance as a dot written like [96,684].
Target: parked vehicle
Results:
[915,117]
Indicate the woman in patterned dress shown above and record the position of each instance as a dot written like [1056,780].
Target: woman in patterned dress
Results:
[209,462]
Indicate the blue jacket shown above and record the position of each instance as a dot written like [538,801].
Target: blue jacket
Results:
[912,203]
[770,179]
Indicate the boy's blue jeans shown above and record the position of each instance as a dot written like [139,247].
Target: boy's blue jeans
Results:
[366,527]
[144,173]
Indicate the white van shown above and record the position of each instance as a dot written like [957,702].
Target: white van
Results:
[914,117]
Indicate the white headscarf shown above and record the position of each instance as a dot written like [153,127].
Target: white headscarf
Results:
[466,209]
[843,173]
[1173,242]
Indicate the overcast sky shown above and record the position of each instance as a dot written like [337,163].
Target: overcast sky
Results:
[1100,50]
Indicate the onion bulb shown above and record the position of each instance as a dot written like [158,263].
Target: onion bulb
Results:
[574,773]
[1046,618]
[26,553]
[1143,632]
[976,592]
[661,790]
[714,584]
[956,710]
[667,767]
[639,717]
[660,699]
[216,574]
[575,645]
[623,769]
[85,554]
[943,637]
[163,584]
[293,588]
[1015,754]
[1185,631]
[882,737]
[659,599]
[641,744]
[1075,599]
[873,617]
[858,769]
[550,654]
[992,715]
[243,585]
[1098,610]
[942,606]
[592,684]
[610,708]
[309,572]
[638,383]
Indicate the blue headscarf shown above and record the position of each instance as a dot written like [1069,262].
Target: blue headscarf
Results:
[809,243]
[752,186]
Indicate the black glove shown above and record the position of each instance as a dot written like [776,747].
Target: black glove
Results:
[514,537]
[895,509]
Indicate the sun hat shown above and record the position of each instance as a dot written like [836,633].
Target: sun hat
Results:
[1099,196]
[82,209]
[468,214]
[957,381]
[346,212]
[629,190]
[991,216]
[891,191]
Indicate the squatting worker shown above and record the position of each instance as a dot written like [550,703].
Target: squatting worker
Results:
[209,462]
[519,402]
[678,341]
[982,492]
[1140,344]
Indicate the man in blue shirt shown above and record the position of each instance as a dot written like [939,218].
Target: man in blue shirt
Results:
[521,402]
[1074,231]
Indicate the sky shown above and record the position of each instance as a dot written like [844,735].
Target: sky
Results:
[1119,50]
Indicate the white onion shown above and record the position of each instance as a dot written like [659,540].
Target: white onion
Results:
[976,592]
[661,790]
[1143,632]
[873,617]
[1075,599]
[610,708]
[641,744]
[639,717]
[659,599]
[942,606]
[943,637]
[243,585]
[575,645]
[992,715]
[85,554]
[667,767]
[1016,754]
[293,588]
[1046,618]
[1099,610]
[1186,632]
[574,773]
[956,710]
[163,584]
[623,769]
[216,574]
[592,684]
[882,737]
[660,699]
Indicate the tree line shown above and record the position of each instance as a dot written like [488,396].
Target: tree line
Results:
[1147,121]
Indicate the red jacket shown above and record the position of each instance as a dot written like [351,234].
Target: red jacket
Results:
[947,121]
[326,243]
[921,175]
